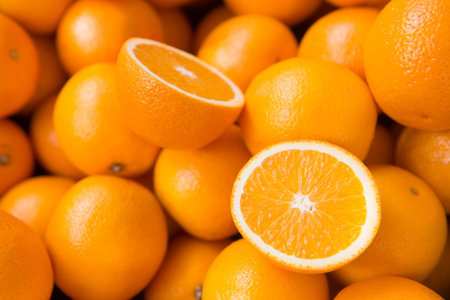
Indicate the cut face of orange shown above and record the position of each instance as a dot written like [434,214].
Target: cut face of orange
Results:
[172,98]
[310,206]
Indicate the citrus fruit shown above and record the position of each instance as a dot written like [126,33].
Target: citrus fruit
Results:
[170,3]
[177,28]
[106,239]
[310,206]
[243,46]
[288,11]
[339,37]
[308,99]
[89,128]
[346,3]
[382,148]
[25,268]
[16,155]
[93,31]
[20,66]
[387,287]
[406,62]
[412,232]
[194,186]
[173,99]
[34,200]
[240,272]
[181,275]
[427,155]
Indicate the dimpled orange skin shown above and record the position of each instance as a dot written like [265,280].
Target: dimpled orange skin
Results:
[406,62]
[45,143]
[194,186]
[241,272]
[34,200]
[382,148]
[25,267]
[184,268]
[88,124]
[288,11]
[93,31]
[19,66]
[339,37]
[106,239]
[37,16]
[345,3]
[308,99]
[412,233]
[243,46]
[16,155]
[177,28]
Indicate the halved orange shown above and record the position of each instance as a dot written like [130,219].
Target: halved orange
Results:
[173,99]
[310,206]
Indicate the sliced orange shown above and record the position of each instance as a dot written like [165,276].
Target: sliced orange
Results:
[173,99]
[310,206]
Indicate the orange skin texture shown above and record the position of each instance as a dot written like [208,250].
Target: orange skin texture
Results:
[106,239]
[46,145]
[308,99]
[241,272]
[194,186]
[26,270]
[16,155]
[387,287]
[287,11]
[382,148]
[243,46]
[184,268]
[426,154]
[170,3]
[406,62]
[412,233]
[20,66]
[38,16]
[34,200]
[339,37]
[88,124]
[177,28]
[93,31]
[346,3]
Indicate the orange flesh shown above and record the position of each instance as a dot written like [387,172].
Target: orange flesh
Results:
[183,72]
[304,203]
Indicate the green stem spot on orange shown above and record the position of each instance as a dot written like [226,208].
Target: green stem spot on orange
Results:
[414,191]
[4,159]
[117,167]
[198,292]
[14,54]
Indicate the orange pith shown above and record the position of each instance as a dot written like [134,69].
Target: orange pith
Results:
[207,85]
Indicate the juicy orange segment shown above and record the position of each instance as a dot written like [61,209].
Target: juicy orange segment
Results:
[310,206]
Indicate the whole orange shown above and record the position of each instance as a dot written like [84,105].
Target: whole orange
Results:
[107,238]
[406,62]
[382,148]
[177,28]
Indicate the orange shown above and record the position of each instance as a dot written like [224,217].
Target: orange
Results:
[412,233]
[308,99]
[194,186]
[184,268]
[106,239]
[16,155]
[170,3]
[93,31]
[427,155]
[177,28]
[173,99]
[25,268]
[88,125]
[345,3]
[339,37]
[45,143]
[51,73]
[387,287]
[19,66]
[406,62]
[382,148]
[34,200]
[243,46]
[240,272]
[37,16]
[286,203]
[213,18]
[288,11]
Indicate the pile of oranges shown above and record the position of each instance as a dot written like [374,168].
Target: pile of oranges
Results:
[224,150]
